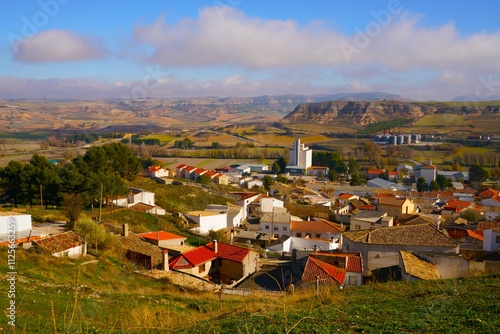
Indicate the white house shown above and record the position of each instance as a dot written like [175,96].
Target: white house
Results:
[22,222]
[276,223]
[428,171]
[267,204]
[207,220]
[67,244]
[138,195]
[254,183]
[303,244]
[367,219]
[491,240]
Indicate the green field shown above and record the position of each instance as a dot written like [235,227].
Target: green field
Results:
[438,120]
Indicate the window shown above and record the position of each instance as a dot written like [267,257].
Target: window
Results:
[318,235]
[353,280]
[276,228]
[299,235]
[498,239]
[285,228]
[266,227]
[357,227]
[201,268]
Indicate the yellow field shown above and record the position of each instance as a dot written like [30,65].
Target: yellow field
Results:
[273,139]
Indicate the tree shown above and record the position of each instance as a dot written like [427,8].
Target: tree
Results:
[216,145]
[282,162]
[471,215]
[282,179]
[267,181]
[276,168]
[384,175]
[12,183]
[333,175]
[73,206]
[477,174]
[203,179]
[443,182]
[434,185]
[353,166]
[422,184]
[355,180]
[92,232]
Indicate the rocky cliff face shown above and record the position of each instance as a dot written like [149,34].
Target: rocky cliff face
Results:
[359,112]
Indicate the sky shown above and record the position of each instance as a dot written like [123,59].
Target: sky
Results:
[422,50]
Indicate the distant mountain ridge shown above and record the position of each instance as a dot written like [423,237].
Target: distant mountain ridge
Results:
[367,112]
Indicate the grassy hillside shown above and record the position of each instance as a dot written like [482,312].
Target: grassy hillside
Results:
[106,296]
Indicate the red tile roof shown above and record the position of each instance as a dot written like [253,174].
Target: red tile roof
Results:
[206,253]
[346,196]
[324,271]
[161,235]
[60,242]
[375,171]
[181,166]
[354,264]
[230,252]
[154,168]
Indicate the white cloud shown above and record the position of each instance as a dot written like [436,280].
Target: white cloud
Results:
[57,46]
[225,36]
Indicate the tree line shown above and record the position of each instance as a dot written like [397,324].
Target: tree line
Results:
[80,179]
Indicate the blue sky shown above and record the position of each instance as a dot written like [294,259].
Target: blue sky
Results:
[133,49]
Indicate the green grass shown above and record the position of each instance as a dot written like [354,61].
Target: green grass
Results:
[440,120]
[68,296]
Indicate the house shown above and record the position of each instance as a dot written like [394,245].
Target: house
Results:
[296,243]
[333,268]
[395,206]
[206,221]
[158,171]
[491,241]
[254,183]
[366,219]
[163,239]
[318,171]
[491,201]
[146,208]
[375,173]
[276,223]
[380,247]
[317,228]
[21,223]
[217,261]
[428,171]
[245,198]
[258,167]
[144,254]
[67,244]
[414,268]
[138,195]
[234,213]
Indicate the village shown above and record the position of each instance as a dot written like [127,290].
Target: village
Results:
[306,232]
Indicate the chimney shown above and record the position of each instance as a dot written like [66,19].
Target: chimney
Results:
[232,237]
[315,248]
[215,246]
[165,260]
[125,230]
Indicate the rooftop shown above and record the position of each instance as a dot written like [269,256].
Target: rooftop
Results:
[325,272]
[417,267]
[160,235]
[60,242]
[409,235]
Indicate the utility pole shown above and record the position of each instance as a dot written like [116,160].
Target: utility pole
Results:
[99,221]
[41,205]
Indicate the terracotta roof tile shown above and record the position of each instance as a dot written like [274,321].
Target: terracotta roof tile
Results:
[324,271]
[160,235]
[354,264]
[60,242]
[418,268]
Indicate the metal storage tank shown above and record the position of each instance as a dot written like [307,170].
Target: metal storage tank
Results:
[408,139]
[393,140]
[401,140]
